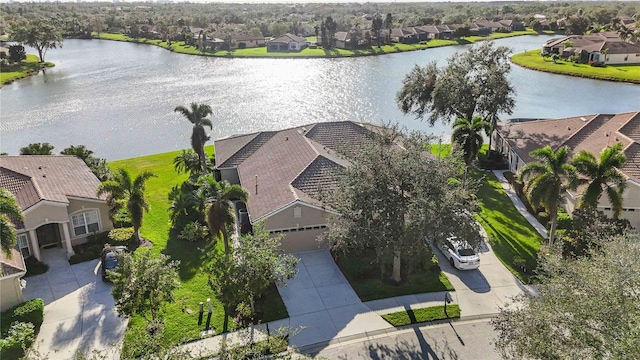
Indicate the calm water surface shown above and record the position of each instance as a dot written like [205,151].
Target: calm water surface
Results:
[118,98]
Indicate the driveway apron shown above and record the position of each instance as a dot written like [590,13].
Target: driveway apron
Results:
[79,310]
[321,303]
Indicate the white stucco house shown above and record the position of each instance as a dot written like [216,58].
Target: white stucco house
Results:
[12,269]
[287,42]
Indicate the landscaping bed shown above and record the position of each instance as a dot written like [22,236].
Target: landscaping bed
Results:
[364,277]
[417,316]
[19,327]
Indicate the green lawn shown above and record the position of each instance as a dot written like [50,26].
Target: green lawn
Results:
[181,47]
[417,316]
[510,234]
[28,67]
[363,276]
[194,257]
[532,60]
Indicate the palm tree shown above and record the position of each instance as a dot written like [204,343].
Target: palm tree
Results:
[188,162]
[9,212]
[547,180]
[602,175]
[197,115]
[218,197]
[467,134]
[122,189]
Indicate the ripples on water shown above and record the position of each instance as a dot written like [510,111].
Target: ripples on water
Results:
[118,98]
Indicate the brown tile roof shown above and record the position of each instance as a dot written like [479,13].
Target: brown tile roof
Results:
[11,266]
[291,164]
[287,38]
[32,178]
[591,133]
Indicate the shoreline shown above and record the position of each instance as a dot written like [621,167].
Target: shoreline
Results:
[260,52]
[29,67]
[519,60]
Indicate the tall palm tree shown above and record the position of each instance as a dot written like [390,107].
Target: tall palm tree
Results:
[123,189]
[547,180]
[9,211]
[218,199]
[187,162]
[197,115]
[467,135]
[602,175]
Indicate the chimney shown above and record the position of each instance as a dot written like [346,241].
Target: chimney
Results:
[256,184]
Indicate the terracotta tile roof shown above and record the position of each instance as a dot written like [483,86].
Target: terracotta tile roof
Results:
[591,133]
[32,178]
[12,266]
[291,164]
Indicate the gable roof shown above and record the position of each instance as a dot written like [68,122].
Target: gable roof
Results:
[34,178]
[287,38]
[280,167]
[591,133]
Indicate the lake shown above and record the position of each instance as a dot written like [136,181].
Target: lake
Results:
[118,98]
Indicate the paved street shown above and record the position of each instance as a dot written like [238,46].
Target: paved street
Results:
[452,341]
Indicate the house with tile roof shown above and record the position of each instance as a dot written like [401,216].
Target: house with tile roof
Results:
[11,270]
[57,195]
[605,48]
[592,133]
[286,173]
[287,42]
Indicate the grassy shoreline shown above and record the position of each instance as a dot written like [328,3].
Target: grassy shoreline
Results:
[28,67]
[261,52]
[622,73]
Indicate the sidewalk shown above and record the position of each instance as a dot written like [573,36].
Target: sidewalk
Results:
[519,205]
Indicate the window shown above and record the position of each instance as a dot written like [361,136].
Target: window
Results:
[86,222]
[23,245]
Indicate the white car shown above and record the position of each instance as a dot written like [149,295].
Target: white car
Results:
[460,255]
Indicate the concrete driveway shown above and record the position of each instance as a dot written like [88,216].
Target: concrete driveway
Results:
[79,310]
[483,291]
[322,304]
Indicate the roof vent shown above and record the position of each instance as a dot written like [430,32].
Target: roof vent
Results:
[44,175]
[568,128]
[583,118]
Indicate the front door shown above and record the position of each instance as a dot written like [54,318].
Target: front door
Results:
[48,235]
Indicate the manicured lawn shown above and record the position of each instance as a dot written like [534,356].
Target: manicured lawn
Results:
[510,234]
[532,60]
[417,316]
[27,67]
[194,257]
[363,276]
[181,47]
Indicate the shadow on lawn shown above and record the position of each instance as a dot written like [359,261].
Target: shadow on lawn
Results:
[192,256]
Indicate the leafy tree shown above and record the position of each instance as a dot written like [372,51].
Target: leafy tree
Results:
[218,199]
[143,283]
[197,115]
[390,199]
[37,149]
[467,136]
[376,27]
[547,180]
[331,28]
[41,34]
[123,190]
[586,308]
[187,162]
[577,25]
[185,206]
[80,151]
[535,25]
[257,263]
[590,227]
[602,176]
[98,166]
[17,53]
[388,24]
[472,84]
[568,44]
[9,212]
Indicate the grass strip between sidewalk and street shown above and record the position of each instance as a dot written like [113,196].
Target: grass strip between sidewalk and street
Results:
[408,317]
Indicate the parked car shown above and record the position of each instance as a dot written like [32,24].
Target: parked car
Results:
[460,255]
[110,259]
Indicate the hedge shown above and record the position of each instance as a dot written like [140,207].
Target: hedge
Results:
[19,326]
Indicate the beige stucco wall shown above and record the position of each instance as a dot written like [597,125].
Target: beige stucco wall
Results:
[10,293]
[620,59]
[631,204]
[77,206]
[230,175]
[286,220]
[45,213]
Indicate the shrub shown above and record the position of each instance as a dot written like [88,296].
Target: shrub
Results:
[193,232]
[19,338]
[564,220]
[121,236]
[17,53]
[31,311]
[492,160]
[35,267]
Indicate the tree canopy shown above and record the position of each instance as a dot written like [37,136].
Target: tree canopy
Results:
[9,211]
[393,195]
[586,308]
[39,33]
[37,149]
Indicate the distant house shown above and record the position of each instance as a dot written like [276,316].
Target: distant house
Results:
[492,26]
[606,48]
[244,41]
[512,25]
[592,133]
[11,270]
[57,195]
[287,42]
[286,172]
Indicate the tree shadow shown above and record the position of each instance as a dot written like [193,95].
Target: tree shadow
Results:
[192,256]
[331,52]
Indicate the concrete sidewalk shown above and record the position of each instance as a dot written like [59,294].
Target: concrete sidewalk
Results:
[519,205]
[413,302]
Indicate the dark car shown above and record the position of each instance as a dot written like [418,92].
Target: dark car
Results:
[110,259]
